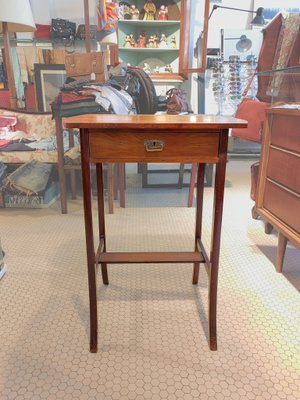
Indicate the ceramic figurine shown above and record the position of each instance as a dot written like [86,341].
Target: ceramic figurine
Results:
[132,40]
[150,44]
[155,41]
[134,12]
[147,68]
[163,42]
[141,43]
[163,13]
[127,41]
[173,44]
[169,69]
[150,10]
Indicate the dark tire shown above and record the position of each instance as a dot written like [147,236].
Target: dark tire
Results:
[140,86]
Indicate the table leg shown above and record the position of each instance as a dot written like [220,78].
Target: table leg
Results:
[199,208]
[89,237]
[101,218]
[215,242]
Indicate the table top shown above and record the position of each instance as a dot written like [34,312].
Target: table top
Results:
[189,122]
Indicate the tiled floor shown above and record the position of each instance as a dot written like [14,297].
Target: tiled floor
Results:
[152,320]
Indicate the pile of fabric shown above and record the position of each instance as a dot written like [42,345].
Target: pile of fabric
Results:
[86,97]
[28,183]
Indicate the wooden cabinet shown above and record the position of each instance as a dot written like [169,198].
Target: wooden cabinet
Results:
[176,54]
[278,196]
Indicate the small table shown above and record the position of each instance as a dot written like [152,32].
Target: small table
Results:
[148,139]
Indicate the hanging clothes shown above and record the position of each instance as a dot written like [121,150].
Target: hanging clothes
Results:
[107,18]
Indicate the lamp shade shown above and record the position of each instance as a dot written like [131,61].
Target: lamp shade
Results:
[259,17]
[244,44]
[17,14]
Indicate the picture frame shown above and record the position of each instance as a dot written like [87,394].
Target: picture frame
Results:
[48,80]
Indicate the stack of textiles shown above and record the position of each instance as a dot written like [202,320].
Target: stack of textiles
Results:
[28,184]
[86,97]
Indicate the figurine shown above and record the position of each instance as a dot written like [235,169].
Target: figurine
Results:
[127,43]
[134,12]
[163,13]
[169,69]
[163,42]
[155,41]
[150,10]
[132,40]
[142,40]
[150,44]
[173,44]
[147,68]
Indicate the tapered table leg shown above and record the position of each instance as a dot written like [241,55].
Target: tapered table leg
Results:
[88,219]
[215,242]
[199,210]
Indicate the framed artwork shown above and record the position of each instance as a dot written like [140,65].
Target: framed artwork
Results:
[48,80]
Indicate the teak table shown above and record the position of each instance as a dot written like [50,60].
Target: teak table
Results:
[148,139]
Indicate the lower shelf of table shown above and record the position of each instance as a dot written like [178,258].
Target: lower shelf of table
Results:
[147,257]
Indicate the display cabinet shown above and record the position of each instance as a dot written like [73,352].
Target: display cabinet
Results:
[160,42]
[278,194]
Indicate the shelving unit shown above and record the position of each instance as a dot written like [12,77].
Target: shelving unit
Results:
[156,58]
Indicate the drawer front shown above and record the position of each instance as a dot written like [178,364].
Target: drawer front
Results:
[283,204]
[285,132]
[284,168]
[143,146]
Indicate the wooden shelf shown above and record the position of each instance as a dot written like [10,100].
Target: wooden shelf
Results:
[148,23]
[147,50]
[166,77]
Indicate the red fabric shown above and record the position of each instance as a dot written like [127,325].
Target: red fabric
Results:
[30,99]
[42,31]
[70,97]
[8,121]
[252,111]
[4,98]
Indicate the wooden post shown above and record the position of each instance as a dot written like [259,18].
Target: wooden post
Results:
[9,68]
[87,26]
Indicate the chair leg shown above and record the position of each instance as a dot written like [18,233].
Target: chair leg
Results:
[192,184]
[181,175]
[73,184]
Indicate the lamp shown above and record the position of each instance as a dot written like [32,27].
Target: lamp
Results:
[257,20]
[15,16]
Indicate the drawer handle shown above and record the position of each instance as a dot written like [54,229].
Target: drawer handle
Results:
[154,145]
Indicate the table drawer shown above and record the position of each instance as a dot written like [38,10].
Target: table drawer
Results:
[285,132]
[284,168]
[168,146]
[283,204]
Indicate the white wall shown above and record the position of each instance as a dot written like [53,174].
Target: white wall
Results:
[44,10]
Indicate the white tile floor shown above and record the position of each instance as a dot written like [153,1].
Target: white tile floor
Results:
[152,320]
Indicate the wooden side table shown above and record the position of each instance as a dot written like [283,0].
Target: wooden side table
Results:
[160,138]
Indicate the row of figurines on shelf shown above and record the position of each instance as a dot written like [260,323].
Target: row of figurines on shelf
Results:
[148,13]
[158,70]
[153,42]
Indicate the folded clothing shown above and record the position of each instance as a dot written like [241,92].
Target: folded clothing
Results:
[30,178]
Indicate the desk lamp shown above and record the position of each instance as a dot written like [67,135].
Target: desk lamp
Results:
[15,16]
[257,20]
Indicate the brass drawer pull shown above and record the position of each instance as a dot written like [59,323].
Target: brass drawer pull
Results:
[154,145]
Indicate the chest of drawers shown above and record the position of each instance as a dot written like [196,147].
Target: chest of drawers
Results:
[278,197]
